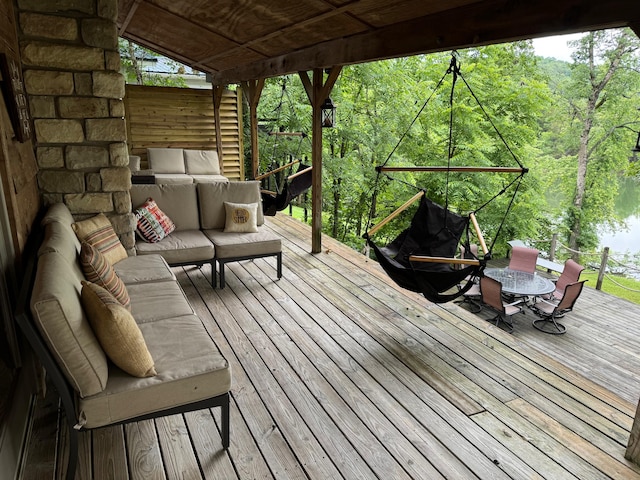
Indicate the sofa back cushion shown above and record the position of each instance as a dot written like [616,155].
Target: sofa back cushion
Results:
[59,237]
[166,160]
[178,202]
[58,314]
[212,196]
[201,162]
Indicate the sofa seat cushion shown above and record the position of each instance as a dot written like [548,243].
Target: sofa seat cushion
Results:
[178,202]
[151,302]
[189,368]
[209,178]
[186,246]
[201,162]
[58,314]
[166,160]
[213,195]
[234,245]
[174,178]
[144,269]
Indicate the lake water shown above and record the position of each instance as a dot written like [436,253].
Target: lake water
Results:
[623,241]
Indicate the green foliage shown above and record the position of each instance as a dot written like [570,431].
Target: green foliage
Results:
[132,57]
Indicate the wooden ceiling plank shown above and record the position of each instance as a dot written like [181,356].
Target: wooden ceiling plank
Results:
[483,23]
[129,16]
[276,33]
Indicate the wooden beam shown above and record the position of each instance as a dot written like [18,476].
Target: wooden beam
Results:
[276,170]
[395,213]
[480,23]
[455,261]
[452,169]
[217,101]
[254,89]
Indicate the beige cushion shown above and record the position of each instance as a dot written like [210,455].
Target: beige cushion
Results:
[117,331]
[232,245]
[188,371]
[155,301]
[97,270]
[99,232]
[134,163]
[60,237]
[179,202]
[58,313]
[240,217]
[143,269]
[201,162]
[184,246]
[58,212]
[211,198]
[166,160]
[173,178]
[209,178]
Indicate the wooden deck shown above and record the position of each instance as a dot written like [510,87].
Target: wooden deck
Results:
[339,374]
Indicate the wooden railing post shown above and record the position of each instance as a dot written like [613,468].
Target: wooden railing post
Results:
[603,268]
[633,446]
[552,247]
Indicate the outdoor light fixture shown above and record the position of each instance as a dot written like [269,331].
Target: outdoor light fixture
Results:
[635,149]
[328,114]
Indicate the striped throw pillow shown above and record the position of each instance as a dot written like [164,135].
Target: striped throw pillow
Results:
[153,224]
[99,232]
[98,270]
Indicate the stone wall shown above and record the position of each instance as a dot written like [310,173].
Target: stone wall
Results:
[71,70]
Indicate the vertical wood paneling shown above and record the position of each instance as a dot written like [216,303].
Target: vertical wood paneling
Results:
[184,118]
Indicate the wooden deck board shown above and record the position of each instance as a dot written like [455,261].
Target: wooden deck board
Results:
[338,373]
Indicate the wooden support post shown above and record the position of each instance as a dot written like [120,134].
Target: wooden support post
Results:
[603,268]
[317,90]
[254,91]
[217,101]
[633,446]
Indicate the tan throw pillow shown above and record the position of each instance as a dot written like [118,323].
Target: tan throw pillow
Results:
[97,270]
[241,217]
[99,232]
[117,331]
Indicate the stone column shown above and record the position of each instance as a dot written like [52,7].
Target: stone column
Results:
[71,68]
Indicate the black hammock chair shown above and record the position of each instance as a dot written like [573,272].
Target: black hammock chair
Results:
[421,258]
[294,186]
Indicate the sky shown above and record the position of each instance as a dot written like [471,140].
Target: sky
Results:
[555,47]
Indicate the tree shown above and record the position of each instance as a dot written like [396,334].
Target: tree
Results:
[595,90]
[132,57]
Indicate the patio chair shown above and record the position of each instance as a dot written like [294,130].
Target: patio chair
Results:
[473,297]
[523,259]
[550,311]
[570,274]
[491,296]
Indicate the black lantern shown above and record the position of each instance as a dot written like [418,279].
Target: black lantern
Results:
[328,114]
[636,149]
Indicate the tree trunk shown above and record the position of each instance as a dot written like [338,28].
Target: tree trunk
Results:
[135,64]
[594,101]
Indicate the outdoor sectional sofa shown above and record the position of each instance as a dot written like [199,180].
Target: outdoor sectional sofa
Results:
[183,166]
[167,361]
[201,235]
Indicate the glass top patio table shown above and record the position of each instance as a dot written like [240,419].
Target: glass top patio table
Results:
[521,283]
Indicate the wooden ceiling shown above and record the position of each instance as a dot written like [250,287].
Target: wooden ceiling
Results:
[239,40]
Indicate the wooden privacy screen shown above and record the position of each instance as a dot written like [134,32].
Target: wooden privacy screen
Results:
[183,118]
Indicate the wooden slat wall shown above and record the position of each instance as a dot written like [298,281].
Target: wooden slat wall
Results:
[183,118]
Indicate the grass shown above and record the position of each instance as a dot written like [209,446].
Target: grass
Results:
[621,287]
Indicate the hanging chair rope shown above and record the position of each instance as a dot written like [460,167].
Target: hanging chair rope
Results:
[454,70]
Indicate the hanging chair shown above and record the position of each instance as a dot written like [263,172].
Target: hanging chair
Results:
[422,258]
[294,186]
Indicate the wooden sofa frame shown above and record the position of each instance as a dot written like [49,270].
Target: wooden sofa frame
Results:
[64,388]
